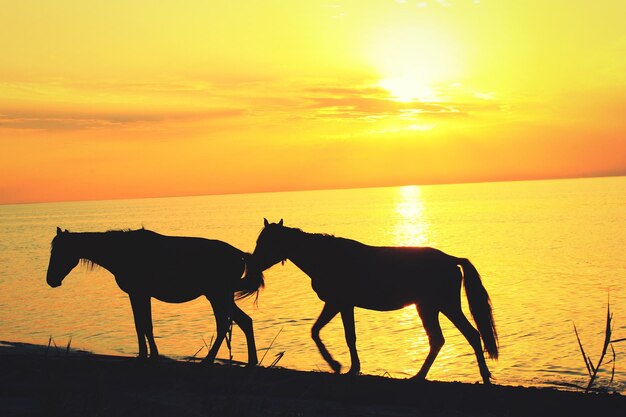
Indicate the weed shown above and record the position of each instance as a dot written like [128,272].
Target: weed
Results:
[591,369]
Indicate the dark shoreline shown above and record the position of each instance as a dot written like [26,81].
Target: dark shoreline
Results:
[38,381]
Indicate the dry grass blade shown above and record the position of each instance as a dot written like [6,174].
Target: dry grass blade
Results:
[593,368]
[229,338]
[613,368]
[210,342]
[279,356]
[582,351]
[67,348]
[270,346]
[195,354]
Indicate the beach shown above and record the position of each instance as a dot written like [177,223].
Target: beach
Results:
[41,380]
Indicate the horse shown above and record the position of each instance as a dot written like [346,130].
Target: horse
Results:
[346,274]
[172,269]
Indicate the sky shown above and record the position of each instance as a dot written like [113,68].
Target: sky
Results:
[133,98]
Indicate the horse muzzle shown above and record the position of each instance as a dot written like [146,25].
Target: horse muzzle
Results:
[53,283]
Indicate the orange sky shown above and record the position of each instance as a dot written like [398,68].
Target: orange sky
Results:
[139,98]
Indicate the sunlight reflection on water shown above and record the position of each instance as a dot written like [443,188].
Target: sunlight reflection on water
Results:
[411,227]
[548,252]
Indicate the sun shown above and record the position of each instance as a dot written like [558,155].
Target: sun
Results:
[413,61]
[408,88]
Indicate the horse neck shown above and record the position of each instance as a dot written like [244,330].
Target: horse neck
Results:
[302,248]
[98,248]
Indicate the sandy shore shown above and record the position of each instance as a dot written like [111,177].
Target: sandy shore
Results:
[36,381]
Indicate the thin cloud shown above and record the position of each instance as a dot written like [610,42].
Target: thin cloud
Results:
[374,102]
[72,120]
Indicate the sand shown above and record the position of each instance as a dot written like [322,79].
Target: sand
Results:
[41,381]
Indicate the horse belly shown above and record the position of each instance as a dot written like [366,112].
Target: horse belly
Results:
[179,288]
[383,298]
[372,295]
[164,286]
[175,298]
[393,289]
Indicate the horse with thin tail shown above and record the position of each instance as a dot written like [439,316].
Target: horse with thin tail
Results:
[252,281]
[172,269]
[480,307]
[346,274]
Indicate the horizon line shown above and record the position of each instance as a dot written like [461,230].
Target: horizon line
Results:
[270,191]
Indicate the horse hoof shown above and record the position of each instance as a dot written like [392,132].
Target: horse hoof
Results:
[419,378]
[336,367]
[486,377]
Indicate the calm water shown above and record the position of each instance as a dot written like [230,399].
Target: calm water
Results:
[549,253]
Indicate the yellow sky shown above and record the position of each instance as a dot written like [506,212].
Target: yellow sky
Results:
[130,98]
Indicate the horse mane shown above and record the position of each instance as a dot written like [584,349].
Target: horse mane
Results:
[119,231]
[320,241]
[312,235]
[112,233]
[89,264]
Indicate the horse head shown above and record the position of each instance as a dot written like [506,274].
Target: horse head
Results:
[270,246]
[62,258]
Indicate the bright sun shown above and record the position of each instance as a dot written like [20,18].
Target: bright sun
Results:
[408,88]
[413,61]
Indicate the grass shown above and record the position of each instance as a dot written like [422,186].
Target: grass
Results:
[228,340]
[592,369]
[270,346]
[51,343]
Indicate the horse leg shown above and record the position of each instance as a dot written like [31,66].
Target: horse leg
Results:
[347,317]
[457,318]
[327,314]
[220,311]
[430,320]
[137,303]
[245,323]
[154,351]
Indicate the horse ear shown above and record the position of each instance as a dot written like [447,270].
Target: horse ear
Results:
[265,222]
[59,231]
[280,223]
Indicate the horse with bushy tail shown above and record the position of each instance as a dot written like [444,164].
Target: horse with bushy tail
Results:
[346,274]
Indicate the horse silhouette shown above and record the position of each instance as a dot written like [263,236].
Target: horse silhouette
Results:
[169,268]
[346,274]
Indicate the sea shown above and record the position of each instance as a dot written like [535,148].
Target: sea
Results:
[551,255]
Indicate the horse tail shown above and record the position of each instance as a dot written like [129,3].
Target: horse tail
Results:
[252,280]
[480,307]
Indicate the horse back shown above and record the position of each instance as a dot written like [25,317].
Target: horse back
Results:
[386,278]
[194,253]
[175,268]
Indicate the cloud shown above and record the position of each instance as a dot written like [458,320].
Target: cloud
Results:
[376,102]
[77,120]
[261,102]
